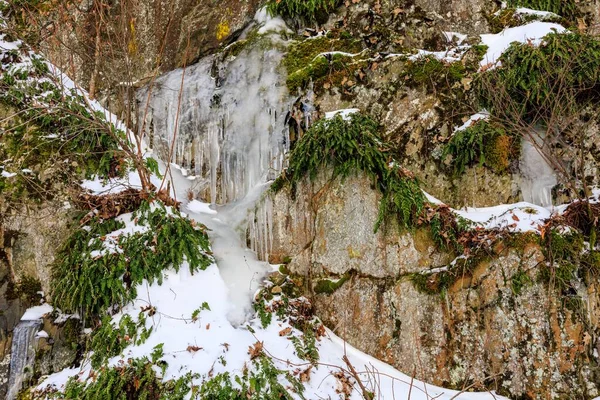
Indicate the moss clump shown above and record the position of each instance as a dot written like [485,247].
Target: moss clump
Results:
[29,290]
[509,18]
[304,10]
[519,281]
[484,143]
[88,277]
[564,252]
[354,145]
[326,286]
[304,61]
[432,73]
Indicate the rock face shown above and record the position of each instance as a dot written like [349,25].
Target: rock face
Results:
[486,330]
[29,240]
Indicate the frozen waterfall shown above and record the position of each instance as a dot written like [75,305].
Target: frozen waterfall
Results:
[229,128]
[22,355]
[537,175]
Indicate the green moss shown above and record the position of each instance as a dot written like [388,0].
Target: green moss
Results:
[304,63]
[28,289]
[519,281]
[432,73]
[484,143]
[354,145]
[326,286]
[509,18]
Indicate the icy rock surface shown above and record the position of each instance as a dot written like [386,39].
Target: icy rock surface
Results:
[227,126]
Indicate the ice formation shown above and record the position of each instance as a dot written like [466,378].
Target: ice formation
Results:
[227,122]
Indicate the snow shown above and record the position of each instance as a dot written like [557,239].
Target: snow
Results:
[6,174]
[42,334]
[98,186]
[518,217]
[536,13]
[345,114]
[37,312]
[451,36]
[268,23]
[196,206]
[529,33]
[482,115]
[182,293]
[450,55]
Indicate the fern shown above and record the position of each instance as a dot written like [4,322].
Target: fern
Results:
[93,282]
[305,10]
[355,146]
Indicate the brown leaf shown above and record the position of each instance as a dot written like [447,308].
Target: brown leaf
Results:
[256,350]
[285,331]
[193,349]
[207,326]
[515,218]
[305,375]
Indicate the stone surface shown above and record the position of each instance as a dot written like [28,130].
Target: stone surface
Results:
[332,224]
[531,342]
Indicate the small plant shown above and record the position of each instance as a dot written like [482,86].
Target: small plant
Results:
[110,340]
[305,10]
[262,382]
[28,289]
[483,143]
[564,8]
[135,379]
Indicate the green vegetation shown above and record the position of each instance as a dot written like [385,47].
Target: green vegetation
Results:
[89,277]
[306,345]
[564,253]
[135,379]
[564,8]
[519,281]
[305,10]
[509,18]
[430,72]
[528,75]
[354,145]
[484,143]
[110,340]
[48,130]
[263,382]
[304,61]
[326,286]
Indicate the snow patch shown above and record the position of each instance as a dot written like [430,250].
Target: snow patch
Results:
[530,33]
[37,312]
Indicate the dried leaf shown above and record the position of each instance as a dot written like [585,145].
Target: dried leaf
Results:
[285,331]
[256,350]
